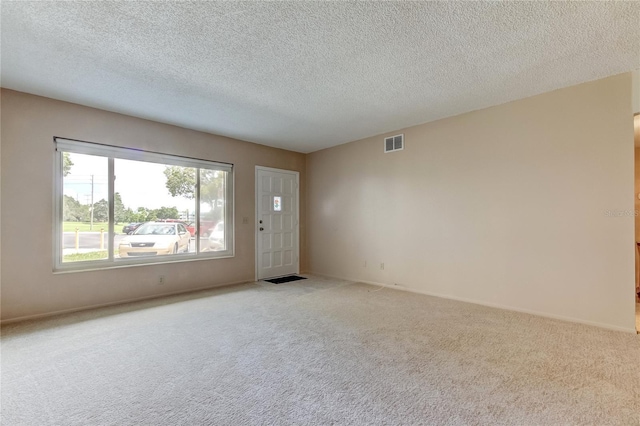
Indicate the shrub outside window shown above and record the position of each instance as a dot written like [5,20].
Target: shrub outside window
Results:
[117,206]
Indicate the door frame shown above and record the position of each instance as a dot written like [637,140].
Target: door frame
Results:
[257,213]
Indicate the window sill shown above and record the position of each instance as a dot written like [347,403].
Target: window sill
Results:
[117,265]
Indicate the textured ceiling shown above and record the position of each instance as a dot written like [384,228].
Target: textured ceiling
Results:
[309,75]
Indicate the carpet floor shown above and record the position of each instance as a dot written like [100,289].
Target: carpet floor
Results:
[316,351]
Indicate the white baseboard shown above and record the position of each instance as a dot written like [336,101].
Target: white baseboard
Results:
[119,302]
[490,305]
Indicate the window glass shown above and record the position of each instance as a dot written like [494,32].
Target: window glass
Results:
[213,184]
[163,206]
[85,208]
[153,193]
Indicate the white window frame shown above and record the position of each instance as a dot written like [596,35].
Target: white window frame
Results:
[111,153]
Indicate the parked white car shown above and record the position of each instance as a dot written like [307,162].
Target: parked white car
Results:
[216,237]
[155,238]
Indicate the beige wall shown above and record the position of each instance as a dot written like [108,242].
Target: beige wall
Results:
[636,91]
[29,287]
[504,206]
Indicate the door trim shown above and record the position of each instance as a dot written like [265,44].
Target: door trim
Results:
[257,213]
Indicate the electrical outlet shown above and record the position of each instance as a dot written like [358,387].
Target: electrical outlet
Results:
[161,280]
[382,266]
[245,220]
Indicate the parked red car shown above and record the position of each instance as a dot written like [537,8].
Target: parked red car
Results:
[205,228]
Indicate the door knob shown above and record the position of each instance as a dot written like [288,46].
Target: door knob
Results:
[262,229]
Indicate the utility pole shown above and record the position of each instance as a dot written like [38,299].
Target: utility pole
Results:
[91,224]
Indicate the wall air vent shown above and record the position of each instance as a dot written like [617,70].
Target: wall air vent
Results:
[394,143]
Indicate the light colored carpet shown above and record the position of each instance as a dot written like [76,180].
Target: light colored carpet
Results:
[315,352]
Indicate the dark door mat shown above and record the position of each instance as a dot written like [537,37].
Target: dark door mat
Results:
[286,279]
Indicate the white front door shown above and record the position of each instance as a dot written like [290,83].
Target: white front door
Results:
[277,245]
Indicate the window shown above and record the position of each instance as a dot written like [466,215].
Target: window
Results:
[118,206]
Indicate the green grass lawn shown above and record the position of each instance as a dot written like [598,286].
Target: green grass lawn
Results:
[84,226]
[94,255]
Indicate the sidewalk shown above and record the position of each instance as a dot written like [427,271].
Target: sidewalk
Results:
[86,232]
